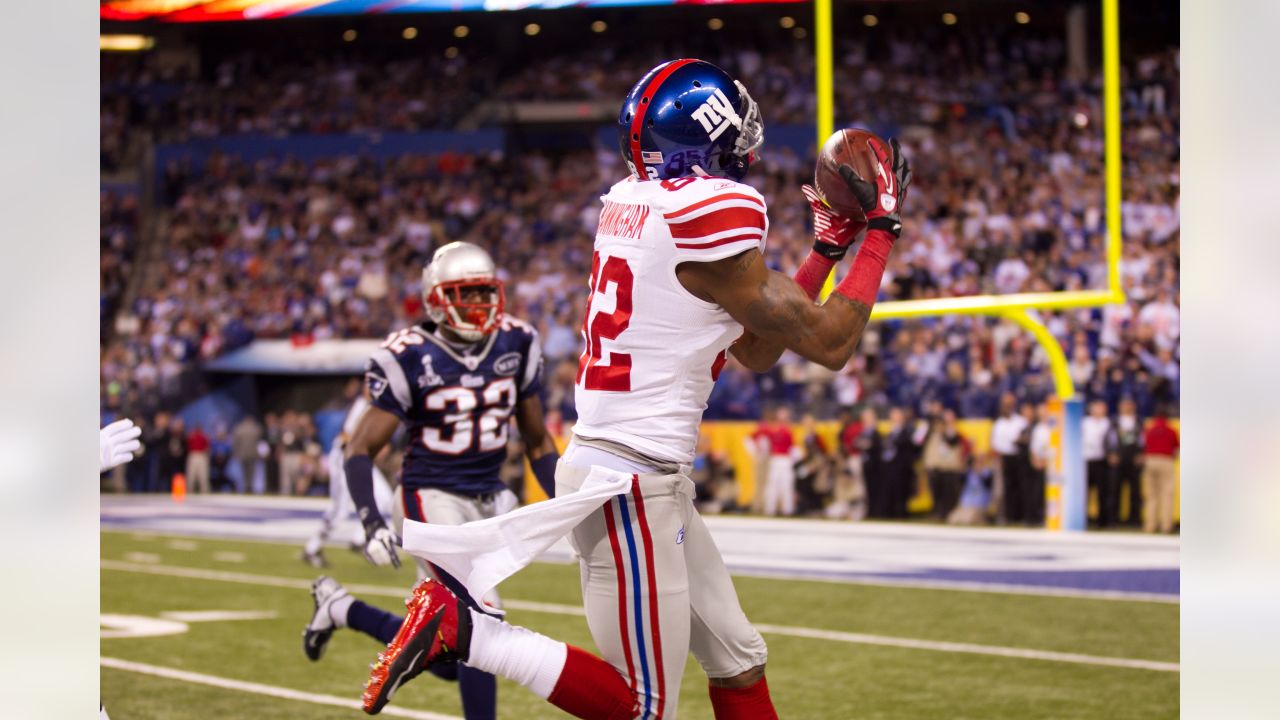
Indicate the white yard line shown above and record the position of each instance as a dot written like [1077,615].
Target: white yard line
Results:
[883,582]
[955,647]
[787,630]
[260,689]
[196,616]
[142,557]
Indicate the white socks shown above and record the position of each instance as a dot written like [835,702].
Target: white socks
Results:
[529,658]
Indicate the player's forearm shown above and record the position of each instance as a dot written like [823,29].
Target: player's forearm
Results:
[359,470]
[758,354]
[783,314]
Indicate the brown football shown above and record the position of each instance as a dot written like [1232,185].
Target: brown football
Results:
[851,147]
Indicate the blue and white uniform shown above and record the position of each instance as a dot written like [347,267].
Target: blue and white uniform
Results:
[456,401]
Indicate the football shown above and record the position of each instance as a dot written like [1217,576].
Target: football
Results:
[852,147]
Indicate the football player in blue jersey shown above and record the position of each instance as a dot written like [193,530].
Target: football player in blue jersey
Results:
[454,381]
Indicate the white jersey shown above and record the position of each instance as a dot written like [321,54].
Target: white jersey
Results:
[653,350]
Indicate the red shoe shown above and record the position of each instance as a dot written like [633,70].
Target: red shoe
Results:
[436,628]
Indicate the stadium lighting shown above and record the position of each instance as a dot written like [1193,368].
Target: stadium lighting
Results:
[410,33]
[599,26]
[451,52]
[787,22]
[800,33]
[461,31]
[532,29]
[1021,18]
[948,18]
[125,43]
[715,23]
[870,20]
[349,35]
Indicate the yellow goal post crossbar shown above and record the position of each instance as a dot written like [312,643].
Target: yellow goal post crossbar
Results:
[1013,307]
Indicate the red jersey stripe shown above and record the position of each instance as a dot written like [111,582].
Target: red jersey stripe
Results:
[733,218]
[714,199]
[754,237]
[642,109]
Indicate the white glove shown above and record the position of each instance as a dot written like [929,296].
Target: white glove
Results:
[380,548]
[117,443]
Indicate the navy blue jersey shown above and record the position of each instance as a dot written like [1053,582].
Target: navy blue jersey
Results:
[455,401]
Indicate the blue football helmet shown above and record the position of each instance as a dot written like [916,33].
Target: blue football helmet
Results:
[689,117]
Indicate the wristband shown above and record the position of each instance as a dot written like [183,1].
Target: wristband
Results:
[813,272]
[544,470]
[862,284]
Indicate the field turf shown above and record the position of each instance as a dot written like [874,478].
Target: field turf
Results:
[821,664]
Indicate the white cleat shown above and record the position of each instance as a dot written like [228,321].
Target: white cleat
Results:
[315,637]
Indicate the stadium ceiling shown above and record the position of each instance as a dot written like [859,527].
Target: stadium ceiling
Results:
[182,11]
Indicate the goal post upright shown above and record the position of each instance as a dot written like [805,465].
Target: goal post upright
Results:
[1069,498]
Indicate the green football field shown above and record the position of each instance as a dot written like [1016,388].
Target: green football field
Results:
[835,650]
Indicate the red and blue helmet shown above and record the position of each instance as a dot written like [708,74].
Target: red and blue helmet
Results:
[689,117]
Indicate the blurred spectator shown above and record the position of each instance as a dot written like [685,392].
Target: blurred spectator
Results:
[1005,432]
[175,454]
[245,437]
[220,462]
[1098,468]
[898,462]
[813,471]
[874,469]
[197,466]
[849,496]
[945,459]
[1021,502]
[1159,473]
[1124,450]
[1041,450]
[776,443]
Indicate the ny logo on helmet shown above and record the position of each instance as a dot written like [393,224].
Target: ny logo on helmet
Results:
[716,114]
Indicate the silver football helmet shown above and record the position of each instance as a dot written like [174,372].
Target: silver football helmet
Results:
[462,292]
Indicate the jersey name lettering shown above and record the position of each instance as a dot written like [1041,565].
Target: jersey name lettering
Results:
[623,220]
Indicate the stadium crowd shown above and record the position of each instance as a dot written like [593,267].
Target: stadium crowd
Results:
[1009,198]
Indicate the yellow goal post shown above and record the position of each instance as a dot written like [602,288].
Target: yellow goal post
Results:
[1017,307]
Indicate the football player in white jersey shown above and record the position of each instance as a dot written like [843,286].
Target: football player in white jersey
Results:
[677,281]
[341,506]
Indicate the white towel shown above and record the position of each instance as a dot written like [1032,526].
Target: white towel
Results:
[482,554]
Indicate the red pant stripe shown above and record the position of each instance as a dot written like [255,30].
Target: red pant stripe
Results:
[612,527]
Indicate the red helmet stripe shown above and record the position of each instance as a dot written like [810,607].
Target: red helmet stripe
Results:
[642,109]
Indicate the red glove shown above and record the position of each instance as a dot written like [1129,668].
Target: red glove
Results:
[832,233]
[882,196]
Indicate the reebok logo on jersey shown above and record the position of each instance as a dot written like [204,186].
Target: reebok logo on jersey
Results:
[680,537]
[717,114]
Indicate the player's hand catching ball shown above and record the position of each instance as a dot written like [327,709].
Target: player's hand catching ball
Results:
[832,233]
[881,197]
[380,547]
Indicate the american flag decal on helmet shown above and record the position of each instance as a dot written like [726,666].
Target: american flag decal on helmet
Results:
[650,157]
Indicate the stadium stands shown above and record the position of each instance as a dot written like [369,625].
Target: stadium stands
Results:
[1007,148]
